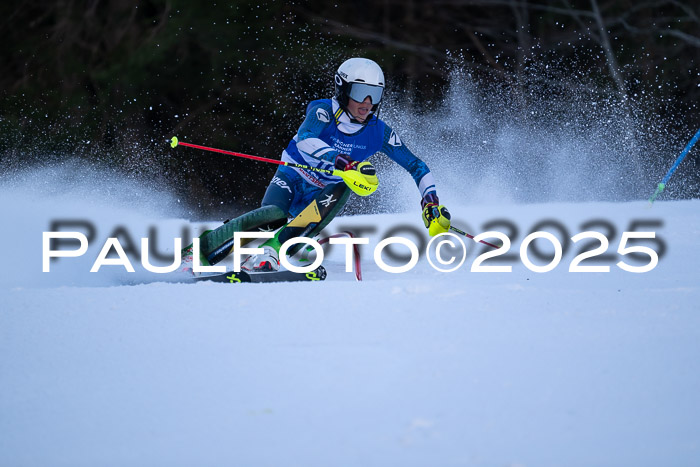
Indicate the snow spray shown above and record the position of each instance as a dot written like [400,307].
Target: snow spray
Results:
[550,137]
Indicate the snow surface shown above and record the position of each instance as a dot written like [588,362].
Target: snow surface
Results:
[416,369]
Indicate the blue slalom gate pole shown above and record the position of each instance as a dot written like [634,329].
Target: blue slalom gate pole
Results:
[685,152]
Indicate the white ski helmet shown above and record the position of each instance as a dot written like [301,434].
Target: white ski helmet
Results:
[358,78]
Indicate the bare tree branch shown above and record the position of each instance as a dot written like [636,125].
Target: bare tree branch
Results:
[570,11]
[690,39]
[607,48]
[382,39]
[429,54]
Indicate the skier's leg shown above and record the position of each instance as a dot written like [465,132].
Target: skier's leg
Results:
[330,201]
[271,215]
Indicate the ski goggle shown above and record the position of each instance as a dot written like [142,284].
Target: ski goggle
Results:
[359,91]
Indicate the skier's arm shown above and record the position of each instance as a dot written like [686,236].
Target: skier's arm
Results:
[317,119]
[399,153]
[435,216]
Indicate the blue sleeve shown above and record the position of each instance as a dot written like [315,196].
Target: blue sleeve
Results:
[318,117]
[394,148]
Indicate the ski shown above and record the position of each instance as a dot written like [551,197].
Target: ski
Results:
[231,277]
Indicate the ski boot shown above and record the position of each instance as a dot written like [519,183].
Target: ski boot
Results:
[267,261]
[187,255]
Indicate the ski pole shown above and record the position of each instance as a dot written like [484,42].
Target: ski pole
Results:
[352,178]
[685,152]
[174,142]
[461,232]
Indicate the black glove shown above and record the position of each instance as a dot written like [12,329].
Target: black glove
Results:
[344,162]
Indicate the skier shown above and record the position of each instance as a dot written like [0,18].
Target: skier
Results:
[341,133]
